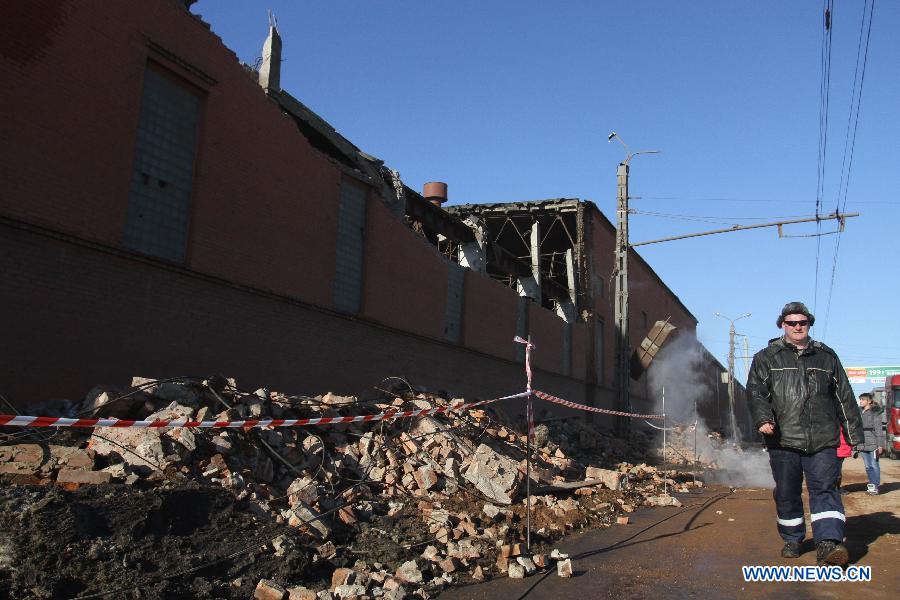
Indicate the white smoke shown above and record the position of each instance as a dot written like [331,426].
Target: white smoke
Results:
[677,374]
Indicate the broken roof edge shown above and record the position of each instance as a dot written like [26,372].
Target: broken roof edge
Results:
[526,206]
[568,203]
[445,222]
[366,163]
[338,149]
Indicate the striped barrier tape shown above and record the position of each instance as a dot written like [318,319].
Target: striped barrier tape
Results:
[618,413]
[24,421]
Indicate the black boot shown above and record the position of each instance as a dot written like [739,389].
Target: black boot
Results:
[830,552]
[790,550]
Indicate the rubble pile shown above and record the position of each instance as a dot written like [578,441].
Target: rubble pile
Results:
[387,509]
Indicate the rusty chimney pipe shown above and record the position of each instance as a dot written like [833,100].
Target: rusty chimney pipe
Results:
[435,192]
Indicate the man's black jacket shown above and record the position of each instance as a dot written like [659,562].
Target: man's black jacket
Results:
[806,395]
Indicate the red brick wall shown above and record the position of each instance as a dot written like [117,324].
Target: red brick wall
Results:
[546,330]
[260,190]
[85,316]
[647,294]
[645,297]
[603,241]
[489,320]
[581,346]
[253,297]
[405,277]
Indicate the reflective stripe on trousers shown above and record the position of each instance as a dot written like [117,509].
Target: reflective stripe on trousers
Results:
[821,469]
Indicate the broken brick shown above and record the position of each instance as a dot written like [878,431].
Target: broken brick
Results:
[267,589]
[80,476]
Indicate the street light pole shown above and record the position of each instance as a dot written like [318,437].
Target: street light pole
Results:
[731,334]
[623,377]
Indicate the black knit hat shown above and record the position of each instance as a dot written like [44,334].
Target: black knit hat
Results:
[795,308]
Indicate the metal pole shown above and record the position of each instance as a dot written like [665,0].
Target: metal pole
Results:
[839,216]
[734,432]
[621,304]
[530,417]
[665,484]
[733,417]
[528,482]
[696,423]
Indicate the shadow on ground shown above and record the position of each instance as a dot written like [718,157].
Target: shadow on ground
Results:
[863,530]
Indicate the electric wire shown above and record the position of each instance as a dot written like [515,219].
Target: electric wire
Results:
[824,96]
[712,219]
[756,200]
[845,181]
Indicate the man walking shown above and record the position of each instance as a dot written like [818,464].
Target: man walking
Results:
[799,399]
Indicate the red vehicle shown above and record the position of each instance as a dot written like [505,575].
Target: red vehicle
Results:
[892,413]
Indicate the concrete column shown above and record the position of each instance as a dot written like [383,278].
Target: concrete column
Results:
[565,310]
[536,255]
[270,70]
[472,256]
[529,288]
[570,275]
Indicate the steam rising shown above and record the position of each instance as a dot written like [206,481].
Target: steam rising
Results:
[689,392]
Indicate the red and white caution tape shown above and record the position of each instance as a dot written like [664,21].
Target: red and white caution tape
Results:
[23,421]
[528,347]
[554,399]
[529,412]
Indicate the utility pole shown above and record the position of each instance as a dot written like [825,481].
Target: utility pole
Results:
[623,376]
[623,354]
[731,333]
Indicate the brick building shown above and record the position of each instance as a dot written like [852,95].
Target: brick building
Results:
[166,211]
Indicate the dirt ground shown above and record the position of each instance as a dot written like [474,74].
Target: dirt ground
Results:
[107,539]
[191,540]
[697,551]
[195,541]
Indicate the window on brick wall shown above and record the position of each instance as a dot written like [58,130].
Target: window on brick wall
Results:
[160,194]
[350,254]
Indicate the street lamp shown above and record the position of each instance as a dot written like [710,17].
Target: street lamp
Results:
[615,136]
[621,268]
[731,335]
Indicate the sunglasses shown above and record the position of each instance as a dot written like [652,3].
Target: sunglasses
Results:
[802,323]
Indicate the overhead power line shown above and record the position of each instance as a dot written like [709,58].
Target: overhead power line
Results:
[711,218]
[824,96]
[854,114]
[767,200]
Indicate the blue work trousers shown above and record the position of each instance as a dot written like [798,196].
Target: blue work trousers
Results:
[873,468]
[821,470]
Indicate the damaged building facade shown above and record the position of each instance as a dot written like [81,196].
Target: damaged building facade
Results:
[169,211]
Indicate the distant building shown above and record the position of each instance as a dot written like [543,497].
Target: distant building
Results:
[169,211]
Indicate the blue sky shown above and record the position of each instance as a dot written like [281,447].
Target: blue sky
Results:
[513,101]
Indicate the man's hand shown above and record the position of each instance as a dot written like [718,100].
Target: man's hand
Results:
[767,428]
[879,451]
